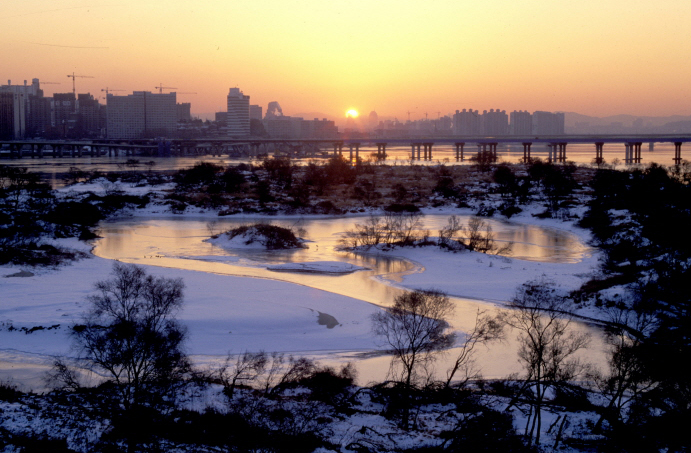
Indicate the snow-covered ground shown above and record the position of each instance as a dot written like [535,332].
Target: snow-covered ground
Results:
[232,314]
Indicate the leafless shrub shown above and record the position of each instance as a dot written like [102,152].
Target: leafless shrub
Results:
[487,329]
[479,237]
[394,228]
[62,376]
[244,369]
[449,232]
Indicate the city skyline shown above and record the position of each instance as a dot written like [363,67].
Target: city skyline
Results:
[392,57]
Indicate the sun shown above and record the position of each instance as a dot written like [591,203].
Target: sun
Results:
[352,113]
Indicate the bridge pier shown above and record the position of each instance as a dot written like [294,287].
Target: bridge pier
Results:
[37,150]
[381,151]
[637,154]
[413,147]
[355,146]
[526,151]
[459,151]
[338,149]
[428,150]
[598,153]
[677,153]
[632,154]
[557,152]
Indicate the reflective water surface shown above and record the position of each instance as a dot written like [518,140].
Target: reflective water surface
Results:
[179,243]
[580,153]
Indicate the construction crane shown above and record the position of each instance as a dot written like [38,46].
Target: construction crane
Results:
[409,112]
[50,83]
[160,88]
[108,90]
[74,77]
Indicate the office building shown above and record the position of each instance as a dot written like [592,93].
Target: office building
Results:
[238,118]
[141,114]
[184,111]
[256,112]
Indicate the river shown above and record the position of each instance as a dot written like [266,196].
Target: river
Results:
[54,168]
[179,243]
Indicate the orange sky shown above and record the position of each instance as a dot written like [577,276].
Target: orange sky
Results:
[594,57]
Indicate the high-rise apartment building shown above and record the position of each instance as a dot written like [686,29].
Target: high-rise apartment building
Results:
[521,123]
[15,123]
[238,118]
[495,122]
[141,114]
[548,123]
[12,116]
[64,112]
[88,116]
[467,122]
[38,115]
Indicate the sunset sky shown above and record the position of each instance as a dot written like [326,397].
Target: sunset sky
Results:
[598,58]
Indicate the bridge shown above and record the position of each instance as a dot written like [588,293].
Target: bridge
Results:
[421,147]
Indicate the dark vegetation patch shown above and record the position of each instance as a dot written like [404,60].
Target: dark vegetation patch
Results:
[272,236]
[30,213]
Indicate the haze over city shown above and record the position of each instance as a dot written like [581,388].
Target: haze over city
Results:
[588,57]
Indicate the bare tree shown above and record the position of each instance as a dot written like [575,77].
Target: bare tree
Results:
[547,344]
[626,379]
[130,333]
[414,328]
[487,328]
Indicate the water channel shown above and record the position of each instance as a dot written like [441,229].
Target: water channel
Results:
[179,243]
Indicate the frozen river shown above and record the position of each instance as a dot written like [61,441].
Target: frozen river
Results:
[179,243]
